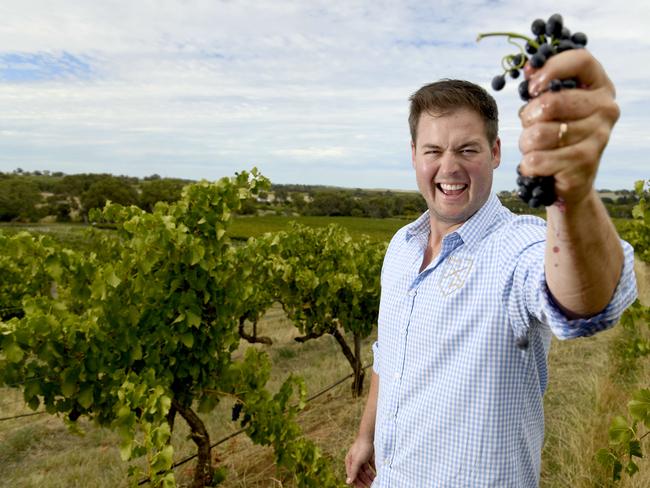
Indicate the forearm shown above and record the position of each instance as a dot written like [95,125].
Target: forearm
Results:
[367,425]
[584,257]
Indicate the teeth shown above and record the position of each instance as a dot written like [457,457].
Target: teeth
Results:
[447,187]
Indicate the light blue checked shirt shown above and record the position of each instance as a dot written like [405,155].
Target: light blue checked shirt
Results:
[460,404]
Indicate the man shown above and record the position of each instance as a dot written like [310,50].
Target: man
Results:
[472,293]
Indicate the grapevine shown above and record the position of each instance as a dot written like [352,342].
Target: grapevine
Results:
[329,284]
[149,333]
[549,38]
[629,435]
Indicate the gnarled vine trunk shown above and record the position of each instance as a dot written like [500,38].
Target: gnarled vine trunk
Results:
[200,436]
[354,358]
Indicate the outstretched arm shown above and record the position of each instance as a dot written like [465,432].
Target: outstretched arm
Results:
[564,135]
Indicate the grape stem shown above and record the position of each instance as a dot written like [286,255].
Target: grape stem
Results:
[509,35]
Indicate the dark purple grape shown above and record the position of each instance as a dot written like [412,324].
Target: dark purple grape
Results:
[565,45]
[514,73]
[554,25]
[546,50]
[566,33]
[570,84]
[555,85]
[538,27]
[538,192]
[523,91]
[498,82]
[517,60]
[579,39]
[524,193]
[537,60]
[530,49]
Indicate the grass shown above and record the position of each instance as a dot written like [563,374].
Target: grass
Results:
[582,397]
[243,227]
[375,229]
[580,401]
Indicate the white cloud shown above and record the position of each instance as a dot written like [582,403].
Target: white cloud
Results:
[206,88]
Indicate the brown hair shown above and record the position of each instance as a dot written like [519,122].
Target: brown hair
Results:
[446,96]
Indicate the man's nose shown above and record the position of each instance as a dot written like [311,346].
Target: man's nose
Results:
[449,163]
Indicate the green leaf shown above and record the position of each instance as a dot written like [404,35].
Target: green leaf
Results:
[68,387]
[632,468]
[164,459]
[125,450]
[14,353]
[619,431]
[112,279]
[85,397]
[188,339]
[635,449]
[193,320]
[638,186]
[639,406]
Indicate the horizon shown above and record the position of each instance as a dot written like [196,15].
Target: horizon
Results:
[154,176]
[314,91]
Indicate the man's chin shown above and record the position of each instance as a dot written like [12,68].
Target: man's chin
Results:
[450,215]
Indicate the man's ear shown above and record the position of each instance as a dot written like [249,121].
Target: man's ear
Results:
[496,153]
[413,154]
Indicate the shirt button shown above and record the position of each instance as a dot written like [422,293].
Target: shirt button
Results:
[412,293]
[396,376]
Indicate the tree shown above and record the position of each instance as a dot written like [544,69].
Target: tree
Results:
[329,284]
[105,189]
[18,199]
[159,190]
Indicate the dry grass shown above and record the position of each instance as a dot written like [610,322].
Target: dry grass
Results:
[580,402]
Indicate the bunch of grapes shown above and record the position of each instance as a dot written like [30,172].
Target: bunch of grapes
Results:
[550,37]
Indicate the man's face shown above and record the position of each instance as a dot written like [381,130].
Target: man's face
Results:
[453,164]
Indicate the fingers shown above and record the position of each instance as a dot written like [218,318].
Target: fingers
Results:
[351,468]
[572,168]
[555,134]
[360,476]
[365,476]
[576,63]
[570,105]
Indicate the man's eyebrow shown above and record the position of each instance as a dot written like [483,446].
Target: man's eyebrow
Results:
[470,143]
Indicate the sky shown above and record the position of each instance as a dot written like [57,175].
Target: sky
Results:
[309,92]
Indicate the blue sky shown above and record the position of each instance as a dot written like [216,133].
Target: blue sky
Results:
[310,91]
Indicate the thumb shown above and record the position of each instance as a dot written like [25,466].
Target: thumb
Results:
[351,469]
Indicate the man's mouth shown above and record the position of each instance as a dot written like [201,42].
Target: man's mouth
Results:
[451,189]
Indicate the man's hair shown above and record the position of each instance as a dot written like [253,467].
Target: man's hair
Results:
[446,96]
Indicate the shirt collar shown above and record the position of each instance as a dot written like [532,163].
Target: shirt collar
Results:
[470,232]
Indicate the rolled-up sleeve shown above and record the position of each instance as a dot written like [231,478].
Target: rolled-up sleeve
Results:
[564,328]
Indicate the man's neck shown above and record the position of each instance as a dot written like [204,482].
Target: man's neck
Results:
[438,231]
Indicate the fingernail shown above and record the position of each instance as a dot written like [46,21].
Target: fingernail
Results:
[536,84]
[348,481]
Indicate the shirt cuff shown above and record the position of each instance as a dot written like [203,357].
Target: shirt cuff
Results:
[625,293]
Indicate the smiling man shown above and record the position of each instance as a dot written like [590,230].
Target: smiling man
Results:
[471,293]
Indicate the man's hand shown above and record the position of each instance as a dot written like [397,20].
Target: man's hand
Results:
[571,152]
[360,464]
